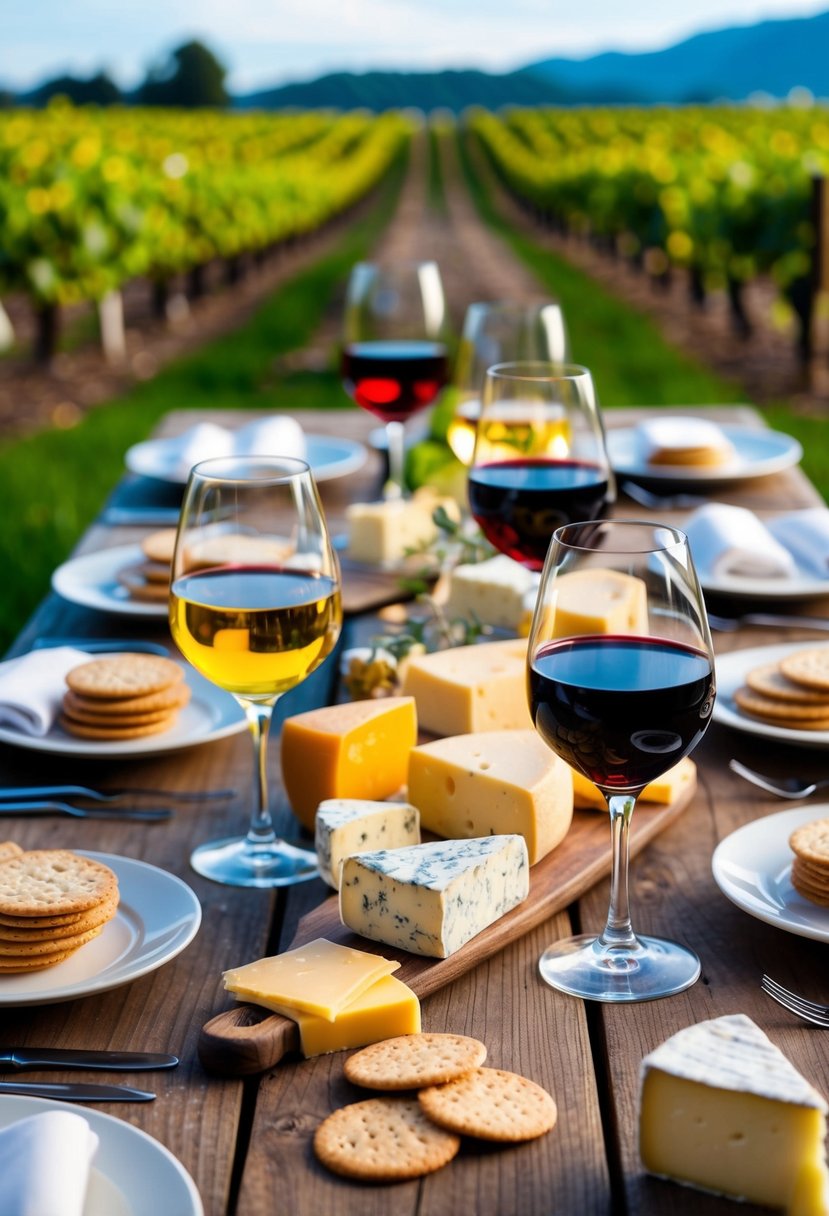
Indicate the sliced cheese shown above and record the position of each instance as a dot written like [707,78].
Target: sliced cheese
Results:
[385,1010]
[664,789]
[494,592]
[382,532]
[357,750]
[596,601]
[496,783]
[353,825]
[432,898]
[320,978]
[722,1109]
[470,688]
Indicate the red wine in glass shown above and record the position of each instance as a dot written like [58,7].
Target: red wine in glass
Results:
[518,504]
[394,379]
[621,710]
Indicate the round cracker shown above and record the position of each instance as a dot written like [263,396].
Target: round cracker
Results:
[815,893]
[133,578]
[85,730]
[112,721]
[159,546]
[10,951]
[175,697]
[9,848]
[769,681]
[411,1060]
[124,675]
[50,882]
[811,842]
[809,668]
[101,914]
[157,572]
[491,1104]
[786,711]
[238,548]
[40,963]
[383,1140]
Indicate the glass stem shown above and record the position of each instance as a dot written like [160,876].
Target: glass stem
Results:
[259,721]
[618,932]
[396,447]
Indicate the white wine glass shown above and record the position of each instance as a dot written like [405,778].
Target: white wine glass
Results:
[499,331]
[255,606]
[394,358]
[621,686]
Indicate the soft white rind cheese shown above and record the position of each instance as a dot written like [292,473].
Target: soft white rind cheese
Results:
[722,1109]
[433,898]
[351,825]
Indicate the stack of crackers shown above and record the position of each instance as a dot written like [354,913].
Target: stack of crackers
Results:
[390,1139]
[793,692]
[810,870]
[52,902]
[123,696]
[149,580]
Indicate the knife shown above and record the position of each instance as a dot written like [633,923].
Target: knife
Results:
[18,1058]
[76,1093]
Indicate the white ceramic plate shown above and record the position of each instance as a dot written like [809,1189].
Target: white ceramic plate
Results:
[752,867]
[802,586]
[731,673]
[328,456]
[133,1173]
[210,714]
[759,452]
[92,580]
[158,915]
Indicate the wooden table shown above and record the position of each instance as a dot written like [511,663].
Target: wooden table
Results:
[248,1143]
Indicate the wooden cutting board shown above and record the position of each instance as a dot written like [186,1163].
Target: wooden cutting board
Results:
[247,1039]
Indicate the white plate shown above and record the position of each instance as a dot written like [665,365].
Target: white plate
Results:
[731,672]
[802,586]
[210,714]
[328,456]
[92,580]
[753,865]
[133,1173]
[759,452]
[158,915]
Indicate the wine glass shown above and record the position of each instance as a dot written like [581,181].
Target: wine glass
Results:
[255,607]
[394,359]
[621,686]
[499,331]
[540,458]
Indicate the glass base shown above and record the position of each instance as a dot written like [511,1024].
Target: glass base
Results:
[237,862]
[583,966]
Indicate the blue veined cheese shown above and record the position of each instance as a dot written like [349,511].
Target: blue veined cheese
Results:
[432,898]
[353,825]
[722,1109]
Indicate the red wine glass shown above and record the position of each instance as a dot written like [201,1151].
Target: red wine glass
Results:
[621,686]
[394,359]
[540,458]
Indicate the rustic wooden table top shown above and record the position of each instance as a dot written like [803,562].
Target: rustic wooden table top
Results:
[247,1143]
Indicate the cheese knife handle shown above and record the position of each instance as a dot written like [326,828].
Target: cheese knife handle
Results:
[245,1040]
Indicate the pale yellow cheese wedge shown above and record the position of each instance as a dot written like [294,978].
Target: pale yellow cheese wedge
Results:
[385,1010]
[597,602]
[382,532]
[470,689]
[320,978]
[664,789]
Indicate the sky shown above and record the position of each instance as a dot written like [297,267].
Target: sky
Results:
[266,42]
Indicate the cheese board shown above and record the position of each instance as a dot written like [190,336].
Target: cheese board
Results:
[247,1039]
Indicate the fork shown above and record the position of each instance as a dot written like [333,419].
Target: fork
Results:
[51,806]
[783,787]
[729,624]
[82,791]
[810,1011]
[654,501]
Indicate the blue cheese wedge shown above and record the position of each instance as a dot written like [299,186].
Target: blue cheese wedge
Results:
[354,825]
[723,1110]
[432,898]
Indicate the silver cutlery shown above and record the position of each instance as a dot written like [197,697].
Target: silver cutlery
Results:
[783,787]
[655,502]
[17,1059]
[25,792]
[810,1011]
[52,806]
[730,624]
[76,1091]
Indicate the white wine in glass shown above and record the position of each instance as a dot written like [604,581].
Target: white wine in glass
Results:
[255,607]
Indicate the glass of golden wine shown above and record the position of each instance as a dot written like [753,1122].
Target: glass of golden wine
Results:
[255,607]
[499,331]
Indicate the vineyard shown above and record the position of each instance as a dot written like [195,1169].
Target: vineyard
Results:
[725,194]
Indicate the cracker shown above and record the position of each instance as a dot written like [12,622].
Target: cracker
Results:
[101,914]
[35,964]
[816,893]
[114,733]
[412,1060]
[769,681]
[113,720]
[811,842]
[237,548]
[48,882]
[809,668]
[8,848]
[124,675]
[133,578]
[157,572]
[383,1140]
[159,546]
[12,951]
[789,712]
[491,1104]
[175,697]
[40,922]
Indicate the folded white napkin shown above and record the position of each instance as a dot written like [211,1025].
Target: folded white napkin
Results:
[274,436]
[44,1164]
[200,442]
[32,688]
[806,536]
[731,542]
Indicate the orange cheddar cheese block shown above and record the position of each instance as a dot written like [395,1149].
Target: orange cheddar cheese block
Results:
[664,789]
[357,750]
